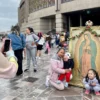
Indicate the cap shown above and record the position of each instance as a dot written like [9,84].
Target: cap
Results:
[68,54]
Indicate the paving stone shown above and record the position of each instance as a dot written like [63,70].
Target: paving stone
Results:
[97,98]
[2,95]
[44,98]
[46,93]
[13,93]
[17,98]
[30,79]
[31,86]
[33,94]
[66,92]
[74,98]
[22,84]
[43,87]
[78,97]
[9,98]
[90,96]
[12,84]
[56,98]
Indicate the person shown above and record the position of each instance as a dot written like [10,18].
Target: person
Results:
[48,45]
[92,82]
[69,65]
[18,44]
[40,35]
[63,44]
[40,45]
[8,64]
[31,48]
[57,39]
[56,68]
[52,40]
[87,54]
[66,35]
[24,51]
[62,38]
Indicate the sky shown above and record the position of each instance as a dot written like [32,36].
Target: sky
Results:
[8,14]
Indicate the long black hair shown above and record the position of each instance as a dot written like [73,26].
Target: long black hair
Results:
[30,29]
[97,76]
[60,49]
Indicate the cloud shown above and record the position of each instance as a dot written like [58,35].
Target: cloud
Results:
[8,14]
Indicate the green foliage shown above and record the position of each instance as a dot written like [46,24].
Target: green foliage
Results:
[87,28]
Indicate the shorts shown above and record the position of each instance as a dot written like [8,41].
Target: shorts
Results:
[39,47]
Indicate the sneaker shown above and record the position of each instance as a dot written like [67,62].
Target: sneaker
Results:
[26,70]
[87,92]
[97,93]
[66,85]
[19,74]
[35,70]
[58,82]
[47,81]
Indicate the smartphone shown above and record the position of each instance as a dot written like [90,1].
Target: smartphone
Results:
[7,45]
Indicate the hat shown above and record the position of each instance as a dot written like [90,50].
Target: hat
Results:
[68,54]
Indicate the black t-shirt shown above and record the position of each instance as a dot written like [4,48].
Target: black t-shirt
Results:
[69,64]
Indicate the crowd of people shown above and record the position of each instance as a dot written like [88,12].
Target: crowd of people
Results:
[61,64]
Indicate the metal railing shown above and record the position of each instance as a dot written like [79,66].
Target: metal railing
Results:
[35,5]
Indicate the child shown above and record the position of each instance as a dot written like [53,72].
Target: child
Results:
[48,45]
[92,82]
[68,64]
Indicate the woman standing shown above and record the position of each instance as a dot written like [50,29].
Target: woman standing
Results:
[48,45]
[18,44]
[56,69]
[40,44]
[31,48]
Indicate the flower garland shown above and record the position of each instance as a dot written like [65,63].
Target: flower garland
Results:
[88,28]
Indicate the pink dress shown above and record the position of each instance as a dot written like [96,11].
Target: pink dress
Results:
[48,47]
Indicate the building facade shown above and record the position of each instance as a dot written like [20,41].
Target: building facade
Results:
[45,15]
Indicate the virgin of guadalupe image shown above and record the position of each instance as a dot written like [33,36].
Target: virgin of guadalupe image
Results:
[87,54]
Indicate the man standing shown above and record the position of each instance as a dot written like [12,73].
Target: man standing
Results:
[57,39]
[66,35]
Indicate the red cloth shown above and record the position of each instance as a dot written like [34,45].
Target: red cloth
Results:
[65,76]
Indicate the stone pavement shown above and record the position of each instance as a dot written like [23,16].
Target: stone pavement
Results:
[30,86]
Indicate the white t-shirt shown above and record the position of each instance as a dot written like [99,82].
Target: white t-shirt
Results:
[58,36]
[41,41]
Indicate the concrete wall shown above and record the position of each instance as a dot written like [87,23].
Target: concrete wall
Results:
[79,5]
[40,20]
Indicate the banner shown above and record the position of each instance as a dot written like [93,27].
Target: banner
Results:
[84,45]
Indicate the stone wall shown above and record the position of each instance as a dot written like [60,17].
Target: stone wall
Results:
[40,19]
